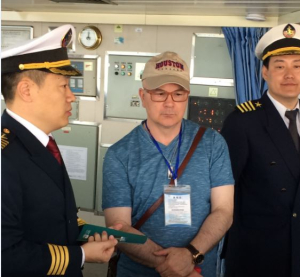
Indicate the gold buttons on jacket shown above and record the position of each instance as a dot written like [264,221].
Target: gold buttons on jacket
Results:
[295,215]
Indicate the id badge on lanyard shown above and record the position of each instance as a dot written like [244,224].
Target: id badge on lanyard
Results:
[177,201]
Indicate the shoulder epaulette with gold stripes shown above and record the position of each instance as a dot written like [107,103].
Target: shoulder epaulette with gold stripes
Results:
[80,221]
[6,137]
[59,259]
[249,106]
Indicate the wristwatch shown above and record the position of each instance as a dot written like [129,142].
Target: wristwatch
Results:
[198,257]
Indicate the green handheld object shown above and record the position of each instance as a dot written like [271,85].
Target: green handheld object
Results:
[90,230]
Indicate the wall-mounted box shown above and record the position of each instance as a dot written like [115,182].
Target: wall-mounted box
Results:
[89,83]
[123,71]
[99,183]
[78,143]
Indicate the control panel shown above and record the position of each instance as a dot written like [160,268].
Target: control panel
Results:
[210,112]
[123,72]
[123,68]
[89,83]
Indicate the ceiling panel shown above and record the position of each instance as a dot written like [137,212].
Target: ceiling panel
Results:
[158,7]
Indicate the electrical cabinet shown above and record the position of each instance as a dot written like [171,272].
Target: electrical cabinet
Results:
[89,83]
[99,183]
[78,143]
[123,71]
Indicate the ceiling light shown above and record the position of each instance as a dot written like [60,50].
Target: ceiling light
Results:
[255,17]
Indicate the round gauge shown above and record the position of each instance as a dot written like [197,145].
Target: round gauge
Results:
[90,37]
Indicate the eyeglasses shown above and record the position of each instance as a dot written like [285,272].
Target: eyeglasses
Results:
[159,95]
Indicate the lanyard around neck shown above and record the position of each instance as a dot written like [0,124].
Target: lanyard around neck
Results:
[174,172]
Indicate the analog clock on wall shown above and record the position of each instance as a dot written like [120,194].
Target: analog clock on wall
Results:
[90,37]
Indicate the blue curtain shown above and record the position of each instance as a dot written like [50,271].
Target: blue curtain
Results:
[241,43]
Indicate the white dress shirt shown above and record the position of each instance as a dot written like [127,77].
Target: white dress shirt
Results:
[38,133]
[282,109]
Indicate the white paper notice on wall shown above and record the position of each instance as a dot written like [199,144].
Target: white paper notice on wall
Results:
[88,66]
[213,92]
[118,28]
[139,68]
[75,159]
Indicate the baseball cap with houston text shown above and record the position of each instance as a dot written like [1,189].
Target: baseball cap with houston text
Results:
[166,68]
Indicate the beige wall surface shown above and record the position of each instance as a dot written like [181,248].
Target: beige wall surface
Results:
[149,39]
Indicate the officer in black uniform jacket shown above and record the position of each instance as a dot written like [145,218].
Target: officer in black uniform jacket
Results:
[38,212]
[264,240]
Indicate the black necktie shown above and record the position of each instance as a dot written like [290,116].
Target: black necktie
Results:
[52,147]
[292,116]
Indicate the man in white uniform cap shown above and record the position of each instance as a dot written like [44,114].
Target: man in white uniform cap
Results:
[38,211]
[263,140]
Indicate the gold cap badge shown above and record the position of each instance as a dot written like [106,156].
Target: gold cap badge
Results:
[289,31]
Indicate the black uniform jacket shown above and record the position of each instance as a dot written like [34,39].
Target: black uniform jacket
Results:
[39,221]
[264,239]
